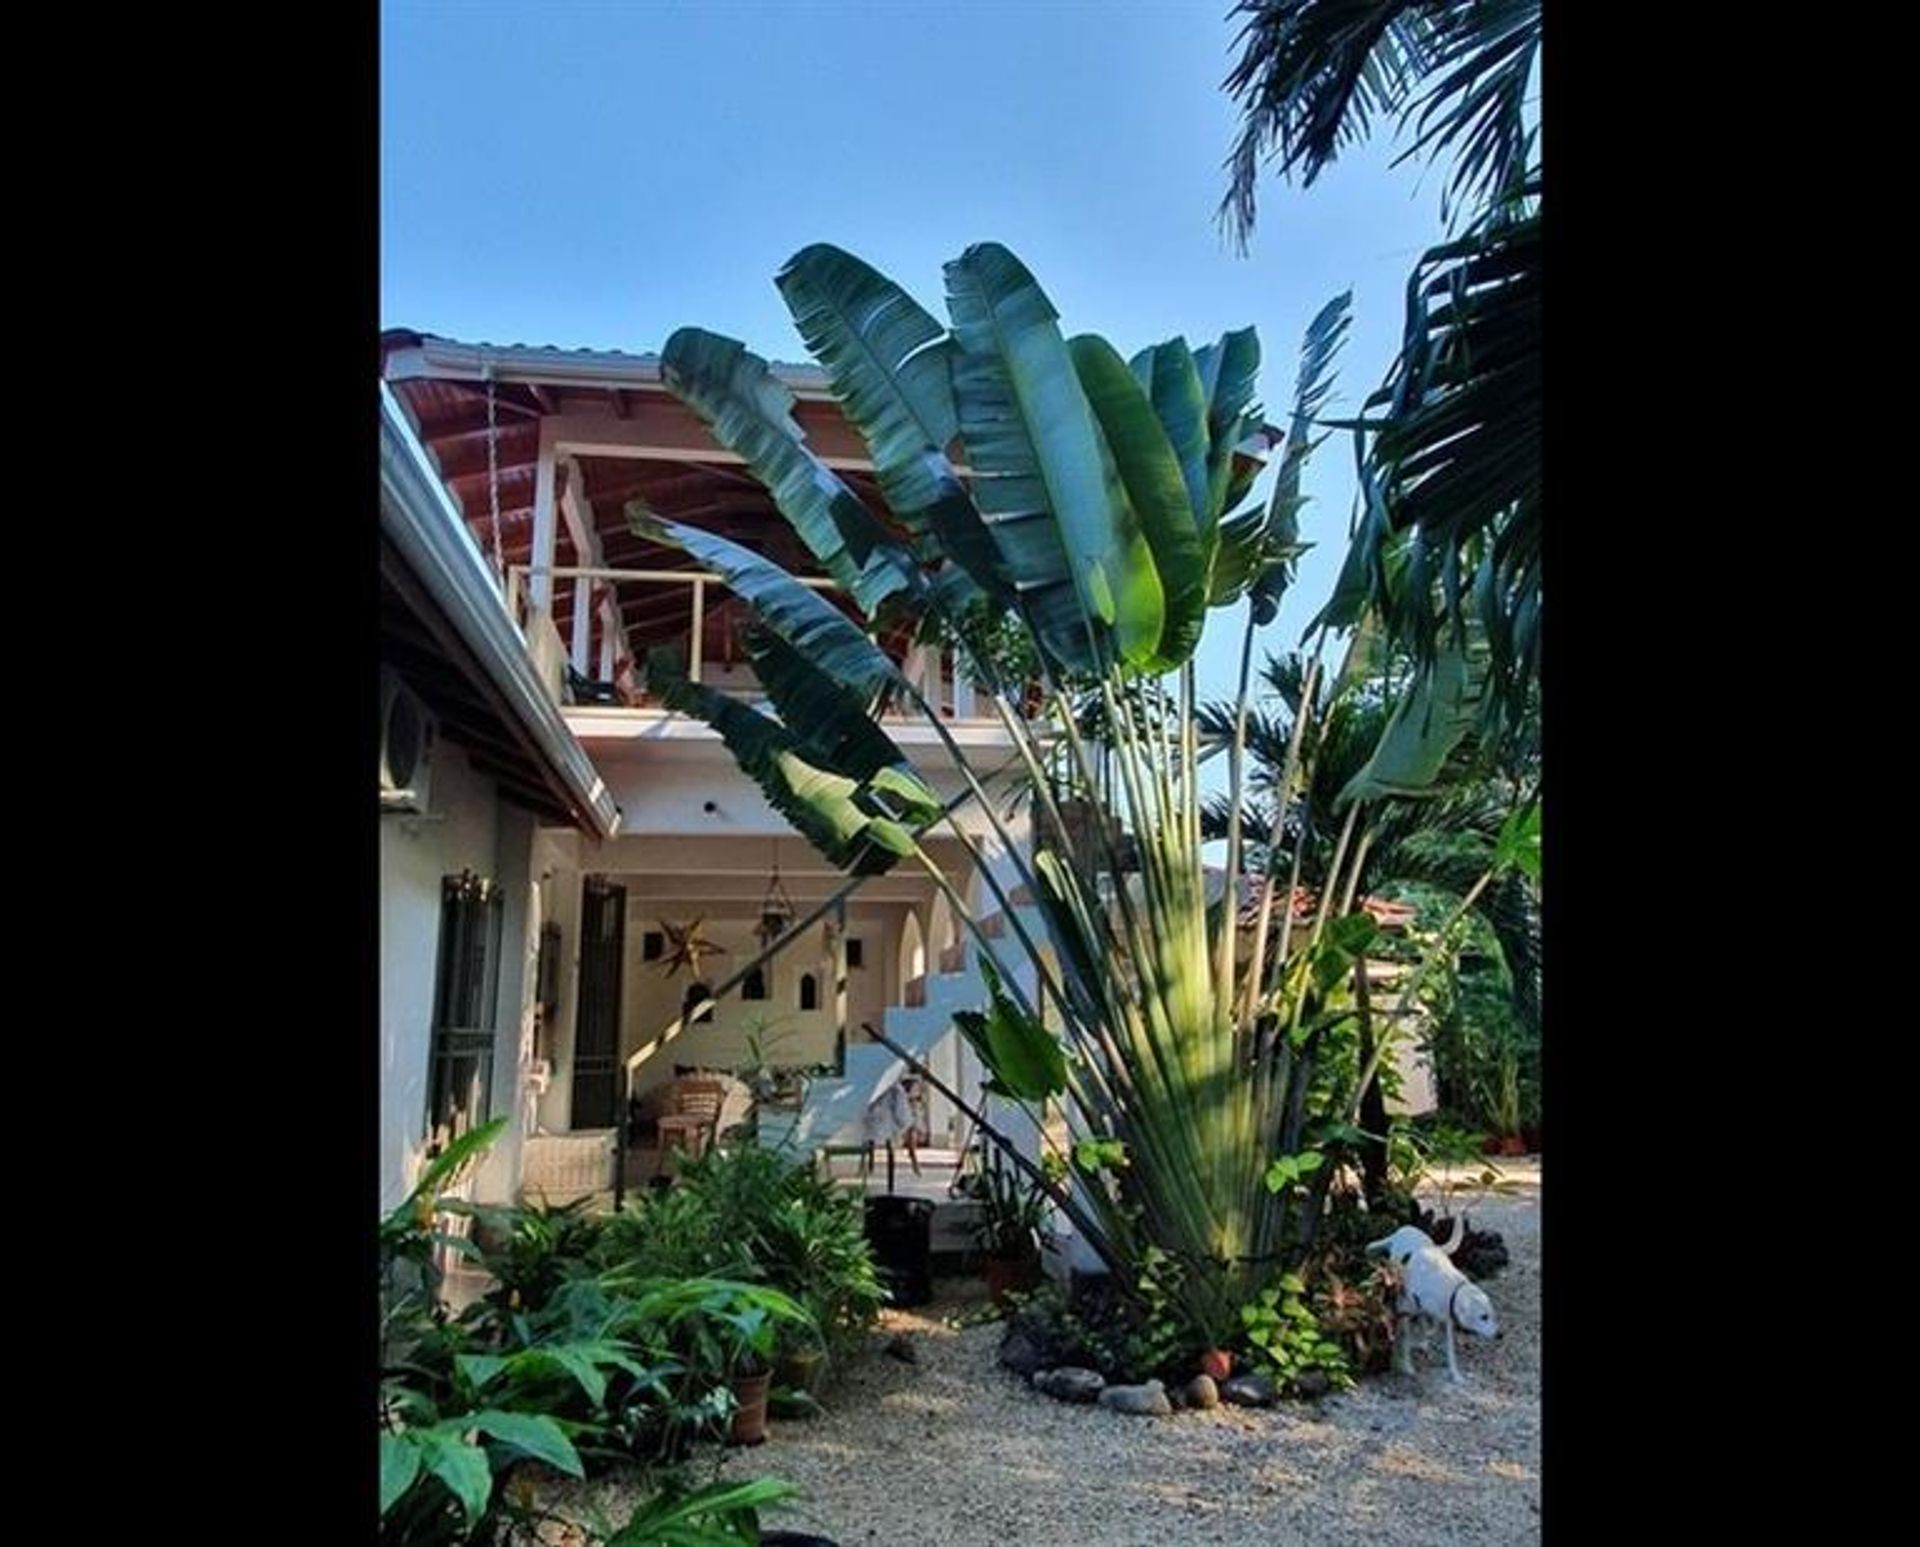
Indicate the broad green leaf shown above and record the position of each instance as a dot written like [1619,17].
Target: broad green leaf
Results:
[797,613]
[1152,478]
[750,412]
[694,1519]
[887,359]
[1229,375]
[829,720]
[1345,940]
[1043,479]
[463,1467]
[1025,1059]
[479,1369]
[824,807]
[1352,934]
[448,1164]
[1257,549]
[1170,378]
[1430,721]
[1518,845]
[578,1362]
[399,1466]
[534,1433]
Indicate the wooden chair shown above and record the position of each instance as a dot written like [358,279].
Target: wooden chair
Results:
[691,1121]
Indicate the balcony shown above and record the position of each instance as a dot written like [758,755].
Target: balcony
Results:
[697,613]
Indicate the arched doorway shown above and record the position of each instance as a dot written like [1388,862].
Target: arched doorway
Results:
[942,934]
[913,951]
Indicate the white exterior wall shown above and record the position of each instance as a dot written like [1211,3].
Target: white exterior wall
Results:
[469,829]
[652,999]
[557,872]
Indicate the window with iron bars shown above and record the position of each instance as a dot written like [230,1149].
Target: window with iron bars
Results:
[466,984]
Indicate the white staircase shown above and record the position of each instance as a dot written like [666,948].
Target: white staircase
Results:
[833,1111]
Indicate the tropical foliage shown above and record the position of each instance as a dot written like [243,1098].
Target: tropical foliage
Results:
[567,1364]
[1101,512]
[1437,847]
[1449,448]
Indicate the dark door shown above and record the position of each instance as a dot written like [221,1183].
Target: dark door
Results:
[596,1027]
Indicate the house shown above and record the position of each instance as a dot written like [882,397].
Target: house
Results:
[475,761]
[618,842]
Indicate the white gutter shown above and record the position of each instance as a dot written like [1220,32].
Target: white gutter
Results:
[415,517]
[410,434]
[448,360]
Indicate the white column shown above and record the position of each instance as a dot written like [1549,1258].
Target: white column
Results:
[963,706]
[582,623]
[546,524]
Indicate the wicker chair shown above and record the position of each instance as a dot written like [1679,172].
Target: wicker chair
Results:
[690,1123]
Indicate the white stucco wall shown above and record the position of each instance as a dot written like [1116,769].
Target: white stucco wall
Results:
[653,999]
[469,829]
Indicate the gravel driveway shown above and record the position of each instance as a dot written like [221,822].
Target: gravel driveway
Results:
[955,1452]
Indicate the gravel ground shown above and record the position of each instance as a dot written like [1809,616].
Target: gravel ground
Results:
[954,1451]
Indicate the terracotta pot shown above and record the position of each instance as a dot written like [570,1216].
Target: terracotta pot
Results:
[1005,1275]
[750,1416]
[1511,1144]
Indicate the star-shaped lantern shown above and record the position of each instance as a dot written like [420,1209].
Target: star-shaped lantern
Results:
[686,945]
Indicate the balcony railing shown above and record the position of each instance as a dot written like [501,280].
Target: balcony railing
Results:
[929,669]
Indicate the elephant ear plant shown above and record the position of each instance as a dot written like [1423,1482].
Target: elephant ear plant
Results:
[1099,517]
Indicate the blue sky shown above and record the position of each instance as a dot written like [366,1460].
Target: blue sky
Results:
[597,174]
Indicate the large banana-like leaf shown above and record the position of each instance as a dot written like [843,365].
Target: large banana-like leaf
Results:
[1152,476]
[751,413]
[1171,379]
[1229,373]
[841,817]
[1256,550]
[834,727]
[798,614]
[1024,1058]
[1069,542]
[1431,720]
[888,360]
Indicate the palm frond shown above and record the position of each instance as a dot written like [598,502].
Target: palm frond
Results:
[1314,76]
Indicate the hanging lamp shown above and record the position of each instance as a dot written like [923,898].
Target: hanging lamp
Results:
[776,908]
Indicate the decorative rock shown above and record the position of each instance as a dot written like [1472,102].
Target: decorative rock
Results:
[1201,1392]
[1315,1383]
[902,1348]
[1148,1401]
[1249,1390]
[1020,1353]
[1070,1383]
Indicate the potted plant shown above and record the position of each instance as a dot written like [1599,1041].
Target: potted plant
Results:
[1506,1101]
[759,1075]
[1011,1213]
[729,1329]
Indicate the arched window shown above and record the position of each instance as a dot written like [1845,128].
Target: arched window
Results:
[698,1005]
[809,991]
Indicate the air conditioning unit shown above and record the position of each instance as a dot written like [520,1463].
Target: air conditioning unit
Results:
[406,747]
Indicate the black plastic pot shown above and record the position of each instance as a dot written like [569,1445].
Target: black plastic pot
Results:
[900,1231]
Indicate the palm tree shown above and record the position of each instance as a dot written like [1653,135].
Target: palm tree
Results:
[1450,446]
[1442,839]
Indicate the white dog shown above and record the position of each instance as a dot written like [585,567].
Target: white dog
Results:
[1432,1289]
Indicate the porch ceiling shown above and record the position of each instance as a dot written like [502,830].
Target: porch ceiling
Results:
[630,439]
[713,492]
